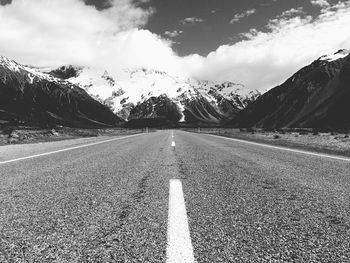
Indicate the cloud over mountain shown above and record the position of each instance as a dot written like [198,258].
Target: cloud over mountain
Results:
[321,3]
[191,20]
[52,33]
[267,57]
[55,32]
[240,16]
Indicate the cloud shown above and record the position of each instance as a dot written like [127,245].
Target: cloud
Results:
[268,57]
[56,32]
[293,12]
[321,3]
[138,48]
[191,20]
[240,16]
[51,33]
[174,33]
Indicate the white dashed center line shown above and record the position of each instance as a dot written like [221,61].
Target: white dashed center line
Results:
[173,139]
[179,249]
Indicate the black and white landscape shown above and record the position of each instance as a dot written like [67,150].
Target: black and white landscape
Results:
[314,97]
[174,131]
[132,94]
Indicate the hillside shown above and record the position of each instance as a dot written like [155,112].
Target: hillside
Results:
[151,94]
[28,96]
[317,96]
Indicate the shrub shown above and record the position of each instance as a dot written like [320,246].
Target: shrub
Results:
[303,132]
[251,130]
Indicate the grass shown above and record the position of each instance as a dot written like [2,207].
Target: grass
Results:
[335,142]
[22,135]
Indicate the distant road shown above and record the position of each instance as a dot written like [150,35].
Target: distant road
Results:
[142,199]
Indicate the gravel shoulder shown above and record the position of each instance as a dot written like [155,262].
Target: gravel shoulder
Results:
[336,143]
[27,135]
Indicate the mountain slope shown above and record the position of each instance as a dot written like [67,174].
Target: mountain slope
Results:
[131,94]
[316,96]
[30,96]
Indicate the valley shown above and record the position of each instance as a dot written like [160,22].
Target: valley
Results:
[68,102]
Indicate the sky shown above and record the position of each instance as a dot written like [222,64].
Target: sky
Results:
[258,43]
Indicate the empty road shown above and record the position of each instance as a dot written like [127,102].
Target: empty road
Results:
[171,196]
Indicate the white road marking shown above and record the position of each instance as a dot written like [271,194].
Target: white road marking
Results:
[283,148]
[179,248]
[67,149]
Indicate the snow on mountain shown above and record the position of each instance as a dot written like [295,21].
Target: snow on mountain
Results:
[142,93]
[317,96]
[30,73]
[332,57]
[125,89]
[30,96]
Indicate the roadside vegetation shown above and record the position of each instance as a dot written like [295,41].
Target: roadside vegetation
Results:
[331,142]
[22,135]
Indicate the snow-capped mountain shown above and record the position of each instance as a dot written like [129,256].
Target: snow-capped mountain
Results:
[316,96]
[147,94]
[30,96]
[26,73]
[83,96]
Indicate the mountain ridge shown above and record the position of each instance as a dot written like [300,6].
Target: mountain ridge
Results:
[30,96]
[131,89]
[315,96]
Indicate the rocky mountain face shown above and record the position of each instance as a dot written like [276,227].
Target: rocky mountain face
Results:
[32,97]
[66,72]
[316,96]
[77,96]
[147,94]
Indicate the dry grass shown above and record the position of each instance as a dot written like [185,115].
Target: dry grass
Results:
[327,142]
[22,135]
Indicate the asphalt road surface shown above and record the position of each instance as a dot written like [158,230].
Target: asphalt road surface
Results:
[155,198]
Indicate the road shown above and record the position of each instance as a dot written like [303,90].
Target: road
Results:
[87,200]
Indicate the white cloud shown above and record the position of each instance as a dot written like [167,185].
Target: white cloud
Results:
[321,3]
[174,33]
[56,32]
[293,12]
[266,59]
[191,20]
[138,48]
[240,16]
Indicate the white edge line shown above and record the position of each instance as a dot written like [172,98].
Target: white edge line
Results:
[67,149]
[179,245]
[282,148]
